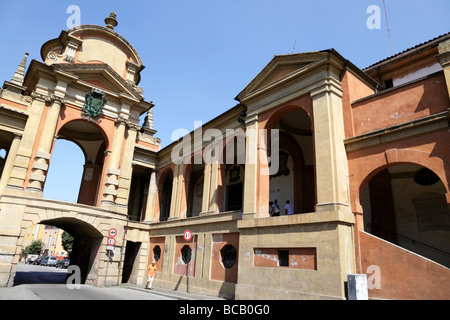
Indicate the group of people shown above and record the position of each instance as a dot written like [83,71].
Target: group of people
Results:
[274,208]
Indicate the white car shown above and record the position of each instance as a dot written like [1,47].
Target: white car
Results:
[30,258]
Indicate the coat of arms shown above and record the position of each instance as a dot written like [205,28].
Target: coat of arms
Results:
[95,101]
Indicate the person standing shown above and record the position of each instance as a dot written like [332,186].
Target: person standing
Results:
[151,274]
[288,209]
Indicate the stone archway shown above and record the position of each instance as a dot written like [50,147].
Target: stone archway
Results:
[89,226]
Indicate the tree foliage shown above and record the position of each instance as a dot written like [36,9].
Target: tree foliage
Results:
[34,248]
[67,241]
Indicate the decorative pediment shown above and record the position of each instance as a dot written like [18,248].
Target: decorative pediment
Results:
[102,76]
[281,69]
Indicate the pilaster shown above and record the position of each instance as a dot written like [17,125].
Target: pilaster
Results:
[113,172]
[206,188]
[330,155]
[251,167]
[151,198]
[42,156]
[22,159]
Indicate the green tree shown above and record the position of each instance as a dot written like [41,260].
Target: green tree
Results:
[67,241]
[34,248]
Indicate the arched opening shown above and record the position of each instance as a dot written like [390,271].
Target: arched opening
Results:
[65,172]
[79,171]
[195,190]
[139,190]
[85,250]
[405,204]
[234,187]
[294,181]
[232,173]
[165,196]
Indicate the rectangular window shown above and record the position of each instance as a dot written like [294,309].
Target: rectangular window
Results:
[292,258]
[283,258]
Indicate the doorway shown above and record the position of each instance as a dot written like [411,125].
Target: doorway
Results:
[129,273]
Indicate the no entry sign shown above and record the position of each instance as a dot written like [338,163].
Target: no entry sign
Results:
[187,235]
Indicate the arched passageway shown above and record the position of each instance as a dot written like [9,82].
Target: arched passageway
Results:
[405,204]
[294,180]
[85,250]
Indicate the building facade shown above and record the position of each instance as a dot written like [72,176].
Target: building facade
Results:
[361,155]
[51,238]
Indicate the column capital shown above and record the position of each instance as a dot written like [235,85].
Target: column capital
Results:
[40,97]
[59,100]
[327,85]
[251,119]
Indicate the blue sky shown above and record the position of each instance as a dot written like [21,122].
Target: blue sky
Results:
[200,54]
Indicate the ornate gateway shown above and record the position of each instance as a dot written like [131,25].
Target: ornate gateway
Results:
[95,101]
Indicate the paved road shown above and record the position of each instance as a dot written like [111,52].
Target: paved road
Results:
[48,283]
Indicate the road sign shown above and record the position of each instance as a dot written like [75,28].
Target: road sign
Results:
[187,235]
[112,232]
[111,241]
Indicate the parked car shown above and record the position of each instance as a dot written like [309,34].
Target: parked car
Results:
[31,258]
[63,264]
[38,260]
[49,261]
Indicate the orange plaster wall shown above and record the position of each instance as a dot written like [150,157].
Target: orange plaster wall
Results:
[156,241]
[429,150]
[218,272]
[403,275]
[13,104]
[353,89]
[148,145]
[178,265]
[400,105]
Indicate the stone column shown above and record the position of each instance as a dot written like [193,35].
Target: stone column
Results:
[330,155]
[42,157]
[214,184]
[151,198]
[9,164]
[251,167]
[206,188]
[113,172]
[178,191]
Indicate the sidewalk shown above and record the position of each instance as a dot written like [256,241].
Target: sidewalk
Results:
[180,295]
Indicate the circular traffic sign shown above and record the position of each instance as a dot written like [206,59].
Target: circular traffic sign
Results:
[112,232]
[111,241]
[187,235]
